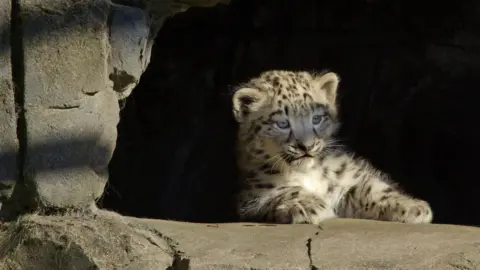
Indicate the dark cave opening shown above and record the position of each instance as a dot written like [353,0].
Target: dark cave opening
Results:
[406,100]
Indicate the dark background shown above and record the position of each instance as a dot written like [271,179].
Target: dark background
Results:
[409,100]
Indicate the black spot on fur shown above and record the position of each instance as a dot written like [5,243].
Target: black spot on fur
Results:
[369,189]
[294,194]
[265,186]
[246,100]
[325,171]
[318,106]
[258,151]
[271,172]
[276,82]
[341,170]
[357,173]
[388,190]
[272,114]
[250,174]
[352,191]
[265,167]
[383,198]
[321,204]
[307,98]
[312,211]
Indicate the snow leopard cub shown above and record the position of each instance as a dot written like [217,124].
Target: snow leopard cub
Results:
[290,172]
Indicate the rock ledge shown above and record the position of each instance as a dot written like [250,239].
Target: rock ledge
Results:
[106,240]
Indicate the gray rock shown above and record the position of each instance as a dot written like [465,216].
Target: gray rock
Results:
[79,58]
[68,164]
[130,49]
[79,242]
[71,113]
[337,244]
[109,241]
[8,119]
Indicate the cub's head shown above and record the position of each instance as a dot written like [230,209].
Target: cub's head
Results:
[287,115]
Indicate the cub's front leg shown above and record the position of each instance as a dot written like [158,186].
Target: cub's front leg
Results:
[374,198]
[289,205]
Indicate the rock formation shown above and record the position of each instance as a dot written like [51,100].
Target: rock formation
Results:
[68,68]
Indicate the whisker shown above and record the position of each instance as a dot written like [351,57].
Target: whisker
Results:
[280,157]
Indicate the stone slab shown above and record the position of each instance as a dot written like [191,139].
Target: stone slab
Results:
[69,165]
[70,111]
[78,242]
[337,244]
[106,240]
[130,47]
[8,119]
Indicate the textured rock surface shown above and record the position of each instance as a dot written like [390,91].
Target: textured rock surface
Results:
[408,99]
[70,113]
[8,125]
[109,241]
[130,47]
[337,244]
[73,61]
[79,242]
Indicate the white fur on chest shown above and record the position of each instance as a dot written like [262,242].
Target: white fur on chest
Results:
[311,181]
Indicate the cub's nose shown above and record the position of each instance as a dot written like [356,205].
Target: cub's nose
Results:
[305,146]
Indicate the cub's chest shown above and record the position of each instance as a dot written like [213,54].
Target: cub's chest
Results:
[311,181]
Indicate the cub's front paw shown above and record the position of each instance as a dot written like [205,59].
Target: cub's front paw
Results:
[283,214]
[291,214]
[412,211]
[301,214]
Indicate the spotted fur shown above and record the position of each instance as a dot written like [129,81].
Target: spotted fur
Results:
[291,169]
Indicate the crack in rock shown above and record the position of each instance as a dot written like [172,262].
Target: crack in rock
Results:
[180,261]
[309,254]
[64,107]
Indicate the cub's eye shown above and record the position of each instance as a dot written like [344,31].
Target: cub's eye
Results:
[317,119]
[283,124]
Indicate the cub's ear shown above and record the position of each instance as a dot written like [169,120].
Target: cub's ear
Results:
[328,82]
[245,101]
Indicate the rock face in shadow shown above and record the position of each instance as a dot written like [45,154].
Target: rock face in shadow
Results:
[8,120]
[109,241]
[408,100]
[63,67]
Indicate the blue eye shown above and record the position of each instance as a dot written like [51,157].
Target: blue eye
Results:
[283,124]
[317,119]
